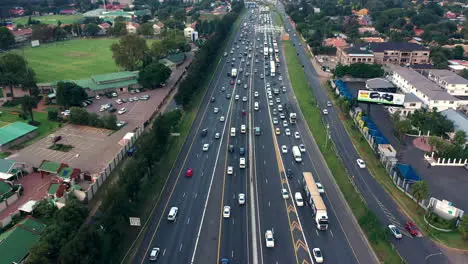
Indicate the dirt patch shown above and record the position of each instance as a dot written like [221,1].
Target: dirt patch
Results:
[78,54]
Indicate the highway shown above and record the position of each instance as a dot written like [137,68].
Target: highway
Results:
[413,250]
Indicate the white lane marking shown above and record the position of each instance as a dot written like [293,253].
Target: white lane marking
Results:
[264,162]
[268,203]
[316,232]
[331,233]
[164,252]
[188,221]
[202,173]
[180,248]
[183,195]
[233,221]
[195,196]
[232,254]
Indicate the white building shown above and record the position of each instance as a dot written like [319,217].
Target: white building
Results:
[188,32]
[412,103]
[453,83]
[431,94]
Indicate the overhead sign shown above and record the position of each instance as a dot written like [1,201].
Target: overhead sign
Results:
[381,97]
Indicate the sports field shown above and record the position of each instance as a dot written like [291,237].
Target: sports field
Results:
[53,19]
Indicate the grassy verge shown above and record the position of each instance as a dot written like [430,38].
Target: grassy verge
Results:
[451,239]
[309,108]
[278,19]
[155,188]
[4,154]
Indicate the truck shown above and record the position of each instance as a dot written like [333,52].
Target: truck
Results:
[271,51]
[275,47]
[297,154]
[272,68]
[315,201]
[292,118]
[233,72]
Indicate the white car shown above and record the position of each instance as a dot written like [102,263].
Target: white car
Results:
[245,85]
[278,101]
[206,147]
[268,89]
[282,116]
[229,170]
[227,211]
[317,255]
[119,101]
[329,103]
[325,111]
[269,240]
[285,123]
[284,194]
[284,149]
[221,119]
[217,136]
[270,96]
[298,198]
[271,102]
[275,120]
[122,111]
[241,198]
[395,232]
[361,163]
[67,112]
[236,97]
[320,187]
[216,110]
[256,94]
[302,148]
[244,99]
[296,135]
[287,132]
[280,78]
[97,97]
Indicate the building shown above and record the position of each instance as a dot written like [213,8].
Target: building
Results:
[453,83]
[431,94]
[16,242]
[188,32]
[369,30]
[353,54]
[10,169]
[334,42]
[381,85]
[22,35]
[457,65]
[16,133]
[372,39]
[132,27]
[412,103]
[460,121]
[10,93]
[110,82]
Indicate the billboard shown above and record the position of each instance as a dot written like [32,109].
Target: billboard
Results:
[381,97]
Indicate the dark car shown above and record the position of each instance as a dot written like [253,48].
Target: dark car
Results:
[231,148]
[56,139]
[112,110]
[204,132]
[213,99]
[289,173]
[242,151]
[224,261]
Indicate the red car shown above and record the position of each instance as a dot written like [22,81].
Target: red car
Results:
[189,173]
[232,82]
[412,228]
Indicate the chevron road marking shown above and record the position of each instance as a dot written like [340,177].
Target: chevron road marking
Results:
[300,243]
[295,225]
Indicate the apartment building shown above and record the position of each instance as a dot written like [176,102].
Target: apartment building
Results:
[431,94]
[453,83]
[400,53]
[354,54]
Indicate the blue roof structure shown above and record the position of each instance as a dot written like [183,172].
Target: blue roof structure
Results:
[407,172]
[381,140]
[343,88]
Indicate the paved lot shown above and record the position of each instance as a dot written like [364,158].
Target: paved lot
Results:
[449,183]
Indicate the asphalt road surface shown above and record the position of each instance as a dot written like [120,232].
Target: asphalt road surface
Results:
[413,250]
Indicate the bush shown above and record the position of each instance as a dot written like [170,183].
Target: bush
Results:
[12,103]
[374,229]
[439,222]
[52,115]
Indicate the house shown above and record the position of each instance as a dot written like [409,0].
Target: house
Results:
[365,20]
[104,27]
[22,35]
[188,32]
[460,121]
[369,30]
[132,27]
[16,133]
[112,82]
[10,169]
[67,12]
[334,42]
[450,15]
[362,12]
[431,94]
[372,39]
[458,65]
[451,82]
[353,54]
[411,104]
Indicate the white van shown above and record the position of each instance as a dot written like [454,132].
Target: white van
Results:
[297,154]
[256,107]
[172,214]
[233,131]
[242,163]
[243,129]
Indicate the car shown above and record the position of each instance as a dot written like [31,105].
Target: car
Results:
[298,198]
[412,228]
[282,116]
[285,123]
[255,94]
[302,148]
[112,110]
[217,136]
[269,240]
[246,86]
[121,124]
[114,94]
[98,97]
[277,131]
[289,173]
[329,103]
[122,111]
[204,132]
[261,76]
[287,132]
[284,149]
[317,255]
[216,110]
[320,187]
[280,78]
[67,112]
[241,198]
[119,101]
[224,261]
[154,254]
[284,194]
[229,170]
[395,232]
[275,120]
[130,99]
[284,89]
[238,81]
[325,111]
[244,99]
[361,163]
[213,99]
[223,89]
[144,97]
[270,102]
[270,96]
[206,147]
[278,101]
[236,97]
[242,151]
[228,96]
[135,98]
[172,213]
[231,148]
[296,135]
[227,211]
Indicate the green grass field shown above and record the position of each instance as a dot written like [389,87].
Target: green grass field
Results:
[53,19]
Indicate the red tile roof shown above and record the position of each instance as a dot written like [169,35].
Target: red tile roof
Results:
[418,32]
[22,32]
[335,42]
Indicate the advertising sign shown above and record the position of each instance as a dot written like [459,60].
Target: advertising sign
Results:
[381,97]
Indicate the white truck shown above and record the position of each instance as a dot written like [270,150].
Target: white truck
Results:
[296,152]
[292,118]
[265,52]
[272,68]
[233,72]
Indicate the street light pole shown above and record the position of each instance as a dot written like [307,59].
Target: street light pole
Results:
[327,135]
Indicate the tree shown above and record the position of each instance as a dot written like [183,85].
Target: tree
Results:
[44,211]
[420,191]
[403,127]
[153,75]
[15,72]
[79,116]
[119,29]
[7,40]
[464,73]
[27,105]
[158,50]
[91,29]
[146,29]
[52,114]
[130,52]
[70,94]
[60,33]
[43,33]
[463,226]
[458,52]
[120,19]
[460,138]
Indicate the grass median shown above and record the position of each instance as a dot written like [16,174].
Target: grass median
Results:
[409,207]
[311,112]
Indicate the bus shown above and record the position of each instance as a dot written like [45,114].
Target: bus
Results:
[272,68]
[315,201]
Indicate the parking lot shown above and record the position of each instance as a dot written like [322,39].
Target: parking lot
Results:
[327,62]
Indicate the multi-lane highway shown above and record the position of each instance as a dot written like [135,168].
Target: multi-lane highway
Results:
[203,182]
[413,250]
